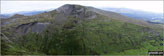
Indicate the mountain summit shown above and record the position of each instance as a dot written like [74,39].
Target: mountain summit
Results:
[75,11]
[85,12]
[70,9]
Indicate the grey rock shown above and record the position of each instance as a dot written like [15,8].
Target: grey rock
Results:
[39,27]
[76,11]
[31,27]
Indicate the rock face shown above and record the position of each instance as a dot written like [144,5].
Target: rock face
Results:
[77,11]
[39,27]
[66,9]
[31,27]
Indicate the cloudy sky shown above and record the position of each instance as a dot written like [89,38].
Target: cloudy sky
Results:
[17,6]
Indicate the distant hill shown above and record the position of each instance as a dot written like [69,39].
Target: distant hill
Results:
[3,16]
[29,13]
[137,14]
[26,13]
[79,30]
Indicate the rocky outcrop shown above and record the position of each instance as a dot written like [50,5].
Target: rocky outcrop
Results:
[31,27]
[76,11]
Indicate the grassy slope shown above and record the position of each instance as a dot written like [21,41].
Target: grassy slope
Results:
[98,36]
[114,37]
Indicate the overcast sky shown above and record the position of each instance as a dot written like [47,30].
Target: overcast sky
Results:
[17,6]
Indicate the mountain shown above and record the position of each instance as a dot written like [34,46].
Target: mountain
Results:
[137,14]
[80,30]
[10,19]
[2,16]
[26,13]
[29,13]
